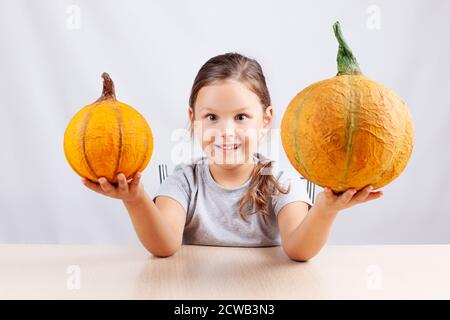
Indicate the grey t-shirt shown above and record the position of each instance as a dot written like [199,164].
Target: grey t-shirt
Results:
[213,211]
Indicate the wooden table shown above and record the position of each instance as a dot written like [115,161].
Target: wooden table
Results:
[202,272]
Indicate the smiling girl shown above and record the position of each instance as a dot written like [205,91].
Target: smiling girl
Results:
[231,196]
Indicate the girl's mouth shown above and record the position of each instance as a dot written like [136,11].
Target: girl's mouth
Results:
[228,147]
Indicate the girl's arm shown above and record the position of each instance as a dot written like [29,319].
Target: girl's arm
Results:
[159,226]
[303,232]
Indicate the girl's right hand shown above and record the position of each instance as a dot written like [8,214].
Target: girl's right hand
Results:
[128,191]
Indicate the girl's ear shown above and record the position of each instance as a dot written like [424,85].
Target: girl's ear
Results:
[268,116]
[191,114]
[267,121]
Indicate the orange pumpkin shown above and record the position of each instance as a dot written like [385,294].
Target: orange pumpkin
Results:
[108,137]
[347,131]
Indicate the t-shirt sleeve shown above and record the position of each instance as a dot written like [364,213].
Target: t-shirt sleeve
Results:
[177,186]
[298,191]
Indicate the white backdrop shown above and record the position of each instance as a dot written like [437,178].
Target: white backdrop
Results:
[53,52]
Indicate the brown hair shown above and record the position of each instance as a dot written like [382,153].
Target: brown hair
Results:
[234,66]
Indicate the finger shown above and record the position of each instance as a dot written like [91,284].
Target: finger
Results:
[374,195]
[362,194]
[91,185]
[346,196]
[106,186]
[136,180]
[123,184]
[328,192]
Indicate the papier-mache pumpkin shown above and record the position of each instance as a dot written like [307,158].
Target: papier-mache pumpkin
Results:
[347,131]
[108,137]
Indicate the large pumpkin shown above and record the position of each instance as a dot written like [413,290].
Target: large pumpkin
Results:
[347,131]
[108,137]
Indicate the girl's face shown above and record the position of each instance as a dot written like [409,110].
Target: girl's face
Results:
[229,121]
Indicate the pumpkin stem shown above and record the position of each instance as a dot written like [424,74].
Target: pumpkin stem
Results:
[108,88]
[346,62]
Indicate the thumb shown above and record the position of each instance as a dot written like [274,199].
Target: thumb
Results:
[136,180]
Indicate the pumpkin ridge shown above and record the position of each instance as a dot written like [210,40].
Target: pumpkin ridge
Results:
[70,163]
[68,160]
[351,125]
[297,149]
[120,124]
[83,135]
[298,110]
[396,152]
[147,144]
[283,138]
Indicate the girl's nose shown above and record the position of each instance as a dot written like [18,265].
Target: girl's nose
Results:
[228,134]
[227,129]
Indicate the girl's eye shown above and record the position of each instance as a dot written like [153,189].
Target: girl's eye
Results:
[211,117]
[241,117]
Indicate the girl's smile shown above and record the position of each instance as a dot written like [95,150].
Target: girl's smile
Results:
[227,148]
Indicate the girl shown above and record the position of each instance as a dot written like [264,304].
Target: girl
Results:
[230,197]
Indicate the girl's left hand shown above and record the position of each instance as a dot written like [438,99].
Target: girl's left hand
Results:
[330,202]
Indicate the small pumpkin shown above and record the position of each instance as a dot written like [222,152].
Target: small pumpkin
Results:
[347,131]
[108,137]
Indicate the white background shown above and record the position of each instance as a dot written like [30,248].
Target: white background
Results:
[53,52]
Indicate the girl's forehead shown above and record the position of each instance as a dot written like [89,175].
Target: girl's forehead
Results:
[227,96]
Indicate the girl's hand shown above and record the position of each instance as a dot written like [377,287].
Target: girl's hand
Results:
[331,202]
[128,191]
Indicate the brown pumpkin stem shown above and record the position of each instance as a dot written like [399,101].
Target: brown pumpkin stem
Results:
[346,62]
[108,88]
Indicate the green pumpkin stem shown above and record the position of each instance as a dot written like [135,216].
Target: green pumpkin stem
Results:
[346,62]
[108,88]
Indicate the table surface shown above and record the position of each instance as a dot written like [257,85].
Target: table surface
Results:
[203,272]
